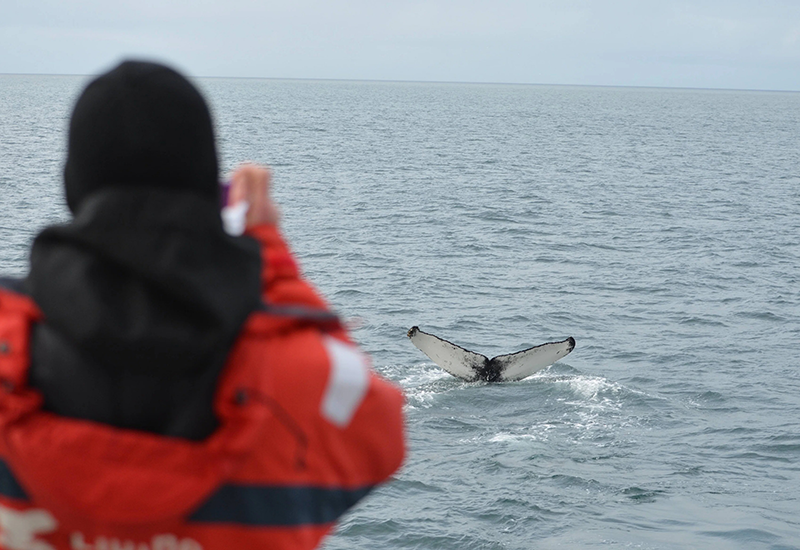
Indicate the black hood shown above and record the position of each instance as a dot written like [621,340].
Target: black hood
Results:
[140,124]
[142,290]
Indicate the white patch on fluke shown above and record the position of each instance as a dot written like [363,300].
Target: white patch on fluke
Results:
[454,359]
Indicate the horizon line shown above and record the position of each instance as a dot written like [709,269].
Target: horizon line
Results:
[471,82]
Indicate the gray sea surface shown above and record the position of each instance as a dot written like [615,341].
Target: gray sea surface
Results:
[659,227]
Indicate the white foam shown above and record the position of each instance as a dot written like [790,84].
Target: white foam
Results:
[591,387]
[423,374]
[421,383]
[503,437]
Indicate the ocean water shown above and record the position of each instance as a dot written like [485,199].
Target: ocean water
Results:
[660,228]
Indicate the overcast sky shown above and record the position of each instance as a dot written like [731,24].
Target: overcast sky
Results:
[698,43]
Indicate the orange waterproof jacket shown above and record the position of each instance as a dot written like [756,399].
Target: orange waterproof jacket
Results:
[306,430]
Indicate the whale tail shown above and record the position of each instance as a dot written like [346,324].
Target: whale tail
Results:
[472,366]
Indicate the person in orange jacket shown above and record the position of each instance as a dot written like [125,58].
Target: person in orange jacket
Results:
[165,385]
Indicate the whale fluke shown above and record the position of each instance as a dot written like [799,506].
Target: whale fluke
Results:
[472,366]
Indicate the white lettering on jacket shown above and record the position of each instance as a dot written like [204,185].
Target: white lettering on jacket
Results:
[157,542]
[18,528]
[347,383]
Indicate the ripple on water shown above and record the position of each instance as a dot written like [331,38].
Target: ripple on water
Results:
[642,496]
